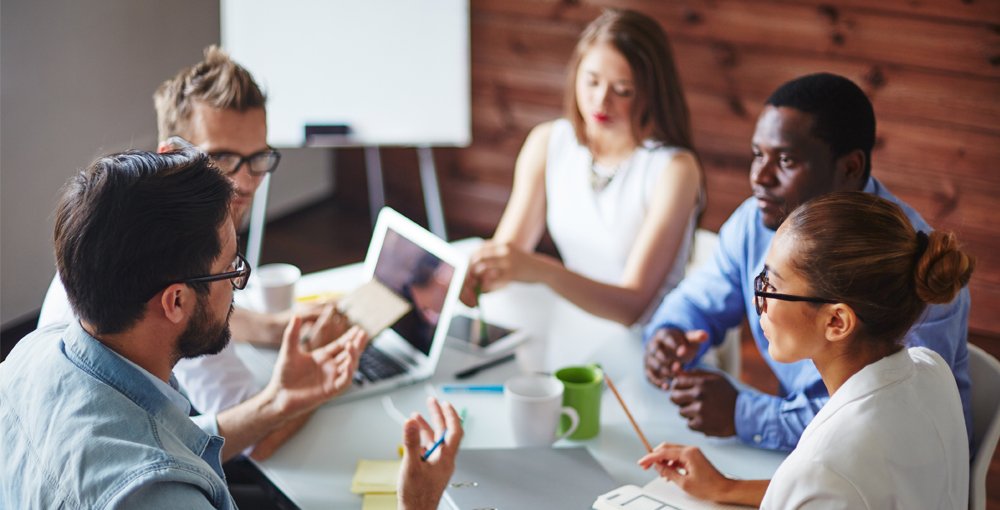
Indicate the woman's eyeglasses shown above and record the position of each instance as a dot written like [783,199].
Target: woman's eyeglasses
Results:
[760,286]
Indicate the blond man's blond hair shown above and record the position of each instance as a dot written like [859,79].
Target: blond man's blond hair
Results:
[216,81]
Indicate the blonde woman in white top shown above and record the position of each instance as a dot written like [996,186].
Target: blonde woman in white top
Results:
[845,277]
[616,182]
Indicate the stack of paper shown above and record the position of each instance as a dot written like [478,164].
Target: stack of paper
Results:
[376,480]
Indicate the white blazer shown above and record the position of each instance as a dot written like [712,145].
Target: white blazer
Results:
[893,436]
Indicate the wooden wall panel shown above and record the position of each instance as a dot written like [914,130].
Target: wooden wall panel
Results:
[873,34]
[975,11]
[896,92]
[931,67]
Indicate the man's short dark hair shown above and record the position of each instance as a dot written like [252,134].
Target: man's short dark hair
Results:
[843,116]
[133,222]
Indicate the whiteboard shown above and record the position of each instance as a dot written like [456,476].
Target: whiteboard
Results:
[395,71]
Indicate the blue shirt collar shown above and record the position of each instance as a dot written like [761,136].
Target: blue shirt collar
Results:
[168,390]
[872,186]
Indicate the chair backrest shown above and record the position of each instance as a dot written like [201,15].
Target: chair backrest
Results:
[258,217]
[984,372]
[703,248]
[728,355]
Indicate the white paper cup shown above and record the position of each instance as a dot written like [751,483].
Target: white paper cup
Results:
[277,286]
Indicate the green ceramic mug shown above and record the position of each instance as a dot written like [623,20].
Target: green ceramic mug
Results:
[583,388]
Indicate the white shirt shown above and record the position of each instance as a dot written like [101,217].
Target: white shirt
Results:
[595,231]
[893,436]
[212,383]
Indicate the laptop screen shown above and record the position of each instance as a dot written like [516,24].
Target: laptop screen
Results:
[421,278]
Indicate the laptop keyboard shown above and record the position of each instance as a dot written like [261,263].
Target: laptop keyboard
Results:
[375,365]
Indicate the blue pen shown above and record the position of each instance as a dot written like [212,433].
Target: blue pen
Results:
[428,453]
[472,388]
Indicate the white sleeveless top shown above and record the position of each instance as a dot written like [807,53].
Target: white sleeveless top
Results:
[595,230]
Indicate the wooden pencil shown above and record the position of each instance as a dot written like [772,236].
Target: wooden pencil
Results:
[627,413]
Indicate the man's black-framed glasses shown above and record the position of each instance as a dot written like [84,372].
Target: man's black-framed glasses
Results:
[238,276]
[761,295]
[258,163]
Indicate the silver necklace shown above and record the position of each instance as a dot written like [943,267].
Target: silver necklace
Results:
[601,180]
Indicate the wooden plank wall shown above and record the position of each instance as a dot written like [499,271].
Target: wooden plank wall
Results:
[932,69]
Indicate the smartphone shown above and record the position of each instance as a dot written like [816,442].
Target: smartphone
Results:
[471,335]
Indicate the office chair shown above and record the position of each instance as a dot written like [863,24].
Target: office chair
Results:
[984,371]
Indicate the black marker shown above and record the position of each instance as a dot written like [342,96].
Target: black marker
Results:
[471,371]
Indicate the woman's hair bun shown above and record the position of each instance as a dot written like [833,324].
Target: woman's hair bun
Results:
[943,269]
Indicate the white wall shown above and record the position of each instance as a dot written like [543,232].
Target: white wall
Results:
[76,81]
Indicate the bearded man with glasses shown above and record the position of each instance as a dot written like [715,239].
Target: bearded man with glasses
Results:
[217,106]
[91,414]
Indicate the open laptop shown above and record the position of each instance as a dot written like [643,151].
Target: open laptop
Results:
[428,273]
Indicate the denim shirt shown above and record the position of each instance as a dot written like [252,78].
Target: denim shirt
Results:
[80,427]
[718,295]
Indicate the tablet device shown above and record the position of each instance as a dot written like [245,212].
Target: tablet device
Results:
[467,333]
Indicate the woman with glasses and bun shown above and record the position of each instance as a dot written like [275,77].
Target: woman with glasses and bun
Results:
[844,279]
[616,182]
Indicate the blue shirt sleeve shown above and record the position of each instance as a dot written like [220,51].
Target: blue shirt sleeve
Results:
[777,423]
[710,298]
[166,495]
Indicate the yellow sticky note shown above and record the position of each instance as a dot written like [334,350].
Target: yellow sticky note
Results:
[375,476]
[321,296]
[376,501]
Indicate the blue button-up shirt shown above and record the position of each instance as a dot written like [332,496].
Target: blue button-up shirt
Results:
[718,295]
[81,427]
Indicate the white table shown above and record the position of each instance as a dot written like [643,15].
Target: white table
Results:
[316,466]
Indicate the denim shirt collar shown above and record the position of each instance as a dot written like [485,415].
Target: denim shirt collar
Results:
[93,357]
[170,390]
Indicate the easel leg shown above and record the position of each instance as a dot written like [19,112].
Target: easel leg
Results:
[376,188]
[432,194]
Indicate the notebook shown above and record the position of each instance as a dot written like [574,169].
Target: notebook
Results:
[551,478]
[427,273]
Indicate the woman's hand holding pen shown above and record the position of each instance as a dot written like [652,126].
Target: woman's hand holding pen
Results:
[422,482]
[688,468]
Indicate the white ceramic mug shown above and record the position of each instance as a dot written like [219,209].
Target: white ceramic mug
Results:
[277,286]
[534,404]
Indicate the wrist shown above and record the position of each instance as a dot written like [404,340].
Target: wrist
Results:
[730,492]
[426,501]
[271,405]
[742,492]
[274,325]
[541,269]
